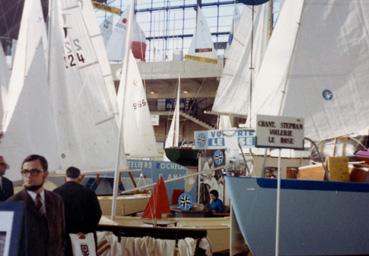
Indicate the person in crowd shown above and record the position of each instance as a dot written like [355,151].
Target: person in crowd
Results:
[82,208]
[216,204]
[6,186]
[43,227]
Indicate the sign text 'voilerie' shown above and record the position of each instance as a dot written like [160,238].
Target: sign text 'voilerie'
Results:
[279,132]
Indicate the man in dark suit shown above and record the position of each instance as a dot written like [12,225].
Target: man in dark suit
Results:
[6,186]
[82,209]
[44,227]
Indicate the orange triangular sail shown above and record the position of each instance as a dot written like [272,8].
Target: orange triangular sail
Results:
[158,203]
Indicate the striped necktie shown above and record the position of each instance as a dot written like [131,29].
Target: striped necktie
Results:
[39,203]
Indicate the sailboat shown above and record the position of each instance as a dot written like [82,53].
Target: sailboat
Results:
[319,75]
[80,124]
[158,205]
[202,46]
[95,134]
[181,154]
[202,50]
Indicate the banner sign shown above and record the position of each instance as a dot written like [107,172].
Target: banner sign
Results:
[220,139]
[279,132]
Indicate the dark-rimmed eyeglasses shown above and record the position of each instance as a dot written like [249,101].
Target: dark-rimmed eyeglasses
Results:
[32,172]
[5,165]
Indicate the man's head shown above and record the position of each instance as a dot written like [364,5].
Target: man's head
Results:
[34,171]
[73,174]
[214,194]
[3,166]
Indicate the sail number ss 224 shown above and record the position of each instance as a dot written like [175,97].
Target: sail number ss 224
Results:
[73,53]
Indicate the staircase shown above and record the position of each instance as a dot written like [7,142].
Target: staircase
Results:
[196,121]
[187,116]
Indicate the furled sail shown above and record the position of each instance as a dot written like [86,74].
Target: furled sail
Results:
[318,74]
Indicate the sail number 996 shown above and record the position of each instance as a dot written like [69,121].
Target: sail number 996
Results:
[139,104]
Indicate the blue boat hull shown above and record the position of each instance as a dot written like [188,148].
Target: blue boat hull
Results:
[316,217]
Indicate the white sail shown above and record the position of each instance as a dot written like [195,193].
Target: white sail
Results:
[173,133]
[106,28]
[116,43]
[32,30]
[139,138]
[318,74]
[31,127]
[225,122]
[97,41]
[233,92]
[235,21]
[4,82]
[202,44]
[86,126]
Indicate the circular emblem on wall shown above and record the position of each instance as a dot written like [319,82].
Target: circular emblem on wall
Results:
[327,94]
[218,157]
[185,201]
[201,140]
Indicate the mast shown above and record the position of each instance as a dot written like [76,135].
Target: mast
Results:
[177,111]
[251,68]
[49,31]
[120,145]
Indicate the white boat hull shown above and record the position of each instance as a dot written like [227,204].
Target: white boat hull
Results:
[316,217]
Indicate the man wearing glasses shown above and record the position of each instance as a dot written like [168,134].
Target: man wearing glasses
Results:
[6,186]
[44,227]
